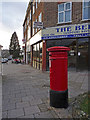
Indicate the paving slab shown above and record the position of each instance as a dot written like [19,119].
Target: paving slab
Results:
[5,114]
[31,110]
[15,113]
[22,104]
[8,107]
[27,116]
[44,115]
[0,96]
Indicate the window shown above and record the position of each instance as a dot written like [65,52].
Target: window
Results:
[29,32]
[25,37]
[64,12]
[39,1]
[36,28]
[30,15]
[34,56]
[36,4]
[28,20]
[25,26]
[33,8]
[23,30]
[37,56]
[40,17]
[33,28]
[86,10]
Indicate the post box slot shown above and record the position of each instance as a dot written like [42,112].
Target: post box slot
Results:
[50,55]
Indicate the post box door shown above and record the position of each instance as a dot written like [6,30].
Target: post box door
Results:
[58,74]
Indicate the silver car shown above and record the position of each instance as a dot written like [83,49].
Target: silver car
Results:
[4,60]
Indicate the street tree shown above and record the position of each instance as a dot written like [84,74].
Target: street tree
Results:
[14,47]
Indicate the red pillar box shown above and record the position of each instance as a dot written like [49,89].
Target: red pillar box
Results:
[58,62]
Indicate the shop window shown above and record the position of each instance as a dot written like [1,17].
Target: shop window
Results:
[86,10]
[71,43]
[72,54]
[51,43]
[82,55]
[41,56]
[37,56]
[64,12]
[29,58]
[34,56]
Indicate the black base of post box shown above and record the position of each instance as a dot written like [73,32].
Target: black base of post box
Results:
[59,99]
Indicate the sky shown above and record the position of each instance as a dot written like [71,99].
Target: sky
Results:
[12,15]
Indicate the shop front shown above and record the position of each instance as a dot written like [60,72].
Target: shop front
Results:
[78,54]
[0,60]
[76,37]
[37,56]
[28,53]
[37,51]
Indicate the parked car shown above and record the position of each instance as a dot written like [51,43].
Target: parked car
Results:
[4,60]
[10,57]
[16,61]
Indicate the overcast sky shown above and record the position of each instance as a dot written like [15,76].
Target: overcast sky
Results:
[12,14]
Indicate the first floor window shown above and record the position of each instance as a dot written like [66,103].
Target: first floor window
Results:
[30,15]
[39,1]
[36,28]
[36,4]
[29,32]
[33,8]
[33,28]
[28,20]
[86,10]
[64,12]
[40,17]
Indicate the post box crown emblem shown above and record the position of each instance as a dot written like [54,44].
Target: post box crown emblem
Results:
[58,48]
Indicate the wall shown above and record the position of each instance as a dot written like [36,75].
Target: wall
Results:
[50,17]
[0,63]
[76,12]
[0,87]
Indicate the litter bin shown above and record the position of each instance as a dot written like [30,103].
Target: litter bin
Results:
[58,63]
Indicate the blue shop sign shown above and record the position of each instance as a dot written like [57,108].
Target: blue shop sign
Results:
[79,30]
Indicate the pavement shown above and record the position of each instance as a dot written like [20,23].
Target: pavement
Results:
[0,96]
[25,92]
[0,90]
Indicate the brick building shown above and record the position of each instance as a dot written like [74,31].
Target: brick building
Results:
[64,24]
[0,60]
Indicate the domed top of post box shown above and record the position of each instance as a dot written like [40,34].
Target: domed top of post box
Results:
[58,48]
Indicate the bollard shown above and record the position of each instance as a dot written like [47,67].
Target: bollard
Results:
[58,63]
